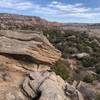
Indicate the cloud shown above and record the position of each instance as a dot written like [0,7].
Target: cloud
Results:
[77,10]
[55,9]
[54,2]
[70,8]
[15,5]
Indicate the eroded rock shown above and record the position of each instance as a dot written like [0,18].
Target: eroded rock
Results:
[49,86]
[87,90]
[33,44]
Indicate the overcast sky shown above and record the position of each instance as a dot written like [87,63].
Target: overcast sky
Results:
[81,11]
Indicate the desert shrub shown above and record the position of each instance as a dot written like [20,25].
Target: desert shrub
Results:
[88,62]
[71,42]
[98,77]
[97,68]
[89,78]
[61,68]
[98,96]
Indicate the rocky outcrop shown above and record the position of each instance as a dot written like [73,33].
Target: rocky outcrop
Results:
[20,54]
[19,83]
[46,85]
[14,21]
[87,90]
[49,86]
[10,81]
[33,44]
[25,58]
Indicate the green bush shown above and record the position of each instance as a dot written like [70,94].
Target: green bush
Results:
[97,68]
[61,68]
[89,78]
[88,61]
[98,96]
[98,77]
[70,42]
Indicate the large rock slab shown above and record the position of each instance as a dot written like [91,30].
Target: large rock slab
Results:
[33,44]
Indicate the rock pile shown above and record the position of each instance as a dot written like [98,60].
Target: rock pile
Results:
[49,86]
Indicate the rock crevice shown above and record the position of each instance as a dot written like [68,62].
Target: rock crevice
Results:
[49,86]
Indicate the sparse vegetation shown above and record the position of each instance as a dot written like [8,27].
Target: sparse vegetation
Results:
[61,68]
[98,68]
[98,96]
[89,78]
[70,42]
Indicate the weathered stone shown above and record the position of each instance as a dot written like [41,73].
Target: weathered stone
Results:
[72,92]
[49,86]
[42,68]
[51,91]
[27,89]
[15,95]
[80,55]
[7,77]
[38,78]
[19,22]
[32,44]
[87,91]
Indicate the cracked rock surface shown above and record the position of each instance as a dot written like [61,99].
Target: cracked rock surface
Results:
[21,53]
[49,86]
[33,44]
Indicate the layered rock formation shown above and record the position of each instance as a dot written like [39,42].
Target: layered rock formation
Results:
[20,54]
[49,86]
[13,21]
[25,58]
[32,44]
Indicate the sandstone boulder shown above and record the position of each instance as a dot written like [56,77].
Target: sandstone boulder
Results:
[33,44]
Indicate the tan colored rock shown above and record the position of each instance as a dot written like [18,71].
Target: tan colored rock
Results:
[32,44]
[14,21]
[49,86]
[42,68]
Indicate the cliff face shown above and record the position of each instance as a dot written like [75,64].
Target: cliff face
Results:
[13,21]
